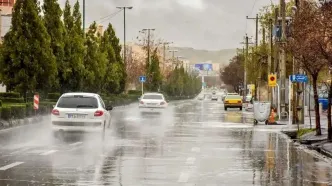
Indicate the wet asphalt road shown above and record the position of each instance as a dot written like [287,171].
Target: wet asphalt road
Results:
[190,143]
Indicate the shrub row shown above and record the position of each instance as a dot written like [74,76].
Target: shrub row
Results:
[24,110]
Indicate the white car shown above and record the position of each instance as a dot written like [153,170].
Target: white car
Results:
[214,98]
[84,112]
[152,101]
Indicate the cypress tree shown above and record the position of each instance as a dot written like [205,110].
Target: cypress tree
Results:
[27,62]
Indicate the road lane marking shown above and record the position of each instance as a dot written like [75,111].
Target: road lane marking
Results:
[183,178]
[10,166]
[21,150]
[75,144]
[48,152]
[196,149]
[190,160]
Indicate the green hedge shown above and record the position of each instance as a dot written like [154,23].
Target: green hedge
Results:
[12,100]
[18,111]
[6,113]
[9,95]
[53,96]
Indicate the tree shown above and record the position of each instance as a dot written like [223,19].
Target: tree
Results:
[120,65]
[305,48]
[324,40]
[135,66]
[233,73]
[113,66]
[94,62]
[73,68]
[56,30]
[154,77]
[27,62]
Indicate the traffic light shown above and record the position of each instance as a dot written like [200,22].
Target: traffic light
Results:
[272,80]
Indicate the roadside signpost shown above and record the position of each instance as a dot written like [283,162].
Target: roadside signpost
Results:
[298,78]
[295,78]
[142,79]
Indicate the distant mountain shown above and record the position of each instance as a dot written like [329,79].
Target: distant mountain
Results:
[221,57]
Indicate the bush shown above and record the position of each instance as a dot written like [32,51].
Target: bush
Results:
[0,103]
[53,96]
[136,92]
[29,111]
[12,100]
[18,111]
[9,95]
[50,100]
[6,113]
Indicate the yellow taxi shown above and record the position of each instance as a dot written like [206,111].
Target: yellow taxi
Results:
[233,101]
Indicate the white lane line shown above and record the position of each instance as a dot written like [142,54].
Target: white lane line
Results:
[21,150]
[183,178]
[10,166]
[75,144]
[48,152]
[196,149]
[190,160]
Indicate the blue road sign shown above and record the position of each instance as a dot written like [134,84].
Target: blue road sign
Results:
[142,79]
[299,78]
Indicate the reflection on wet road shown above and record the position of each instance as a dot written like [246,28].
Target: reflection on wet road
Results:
[190,143]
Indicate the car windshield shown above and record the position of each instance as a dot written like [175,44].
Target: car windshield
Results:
[153,96]
[77,102]
[233,97]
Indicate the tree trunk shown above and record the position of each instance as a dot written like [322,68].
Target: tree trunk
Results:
[329,123]
[314,83]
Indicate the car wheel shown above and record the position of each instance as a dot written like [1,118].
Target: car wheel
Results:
[225,108]
[255,122]
[240,108]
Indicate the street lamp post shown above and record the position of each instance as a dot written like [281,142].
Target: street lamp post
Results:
[124,30]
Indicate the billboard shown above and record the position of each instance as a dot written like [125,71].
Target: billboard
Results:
[7,6]
[204,67]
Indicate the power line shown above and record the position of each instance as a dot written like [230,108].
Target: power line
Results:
[108,17]
[253,6]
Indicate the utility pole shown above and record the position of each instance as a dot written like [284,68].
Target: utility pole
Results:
[84,17]
[256,40]
[124,30]
[269,64]
[173,55]
[149,35]
[283,59]
[164,53]
[245,64]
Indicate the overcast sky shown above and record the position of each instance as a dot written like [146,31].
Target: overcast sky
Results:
[201,24]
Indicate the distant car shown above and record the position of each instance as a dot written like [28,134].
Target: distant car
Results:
[152,101]
[214,98]
[233,101]
[232,94]
[84,112]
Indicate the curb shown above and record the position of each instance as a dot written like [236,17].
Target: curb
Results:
[11,124]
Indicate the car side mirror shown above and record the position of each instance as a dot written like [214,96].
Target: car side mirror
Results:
[109,108]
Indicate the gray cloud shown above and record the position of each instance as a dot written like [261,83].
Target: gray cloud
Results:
[217,24]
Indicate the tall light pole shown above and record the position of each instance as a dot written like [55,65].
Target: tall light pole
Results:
[124,30]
